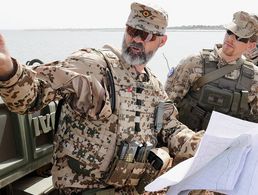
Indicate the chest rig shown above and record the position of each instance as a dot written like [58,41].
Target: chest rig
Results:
[224,94]
[136,100]
[137,97]
[92,145]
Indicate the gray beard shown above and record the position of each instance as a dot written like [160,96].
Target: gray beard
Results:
[135,59]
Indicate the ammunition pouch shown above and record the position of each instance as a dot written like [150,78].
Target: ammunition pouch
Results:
[148,176]
[216,98]
[163,110]
[158,163]
[224,101]
[192,115]
[246,79]
[195,110]
[139,174]
[124,173]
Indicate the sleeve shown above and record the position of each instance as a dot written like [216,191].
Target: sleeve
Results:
[253,98]
[182,142]
[182,78]
[81,77]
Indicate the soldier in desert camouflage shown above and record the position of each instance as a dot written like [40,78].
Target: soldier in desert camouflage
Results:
[107,124]
[219,79]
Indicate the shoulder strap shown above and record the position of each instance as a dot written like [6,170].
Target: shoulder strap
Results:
[112,90]
[58,114]
[249,63]
[211,76]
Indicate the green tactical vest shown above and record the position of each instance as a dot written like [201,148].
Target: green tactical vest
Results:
[223,95]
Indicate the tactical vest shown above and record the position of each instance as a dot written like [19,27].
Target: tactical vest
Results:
[92,145]
[223,95]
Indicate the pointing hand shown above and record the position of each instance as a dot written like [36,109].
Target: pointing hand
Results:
[6,65]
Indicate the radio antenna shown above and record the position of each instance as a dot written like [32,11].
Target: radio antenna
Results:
[166,61]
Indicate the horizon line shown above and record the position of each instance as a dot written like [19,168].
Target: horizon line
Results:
[183,27]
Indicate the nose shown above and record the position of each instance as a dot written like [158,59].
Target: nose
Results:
[231,38]
[138,39]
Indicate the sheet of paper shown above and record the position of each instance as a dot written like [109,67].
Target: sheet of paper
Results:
[221,157]
[222,125]
[192,165]
[247,183]
[220,174]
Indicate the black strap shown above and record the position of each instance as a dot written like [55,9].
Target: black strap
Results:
[58,114]
[112,91]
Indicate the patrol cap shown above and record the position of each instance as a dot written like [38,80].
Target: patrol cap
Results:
[244,24]
[149,18]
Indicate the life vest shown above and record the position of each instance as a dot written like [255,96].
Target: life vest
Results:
[229,96]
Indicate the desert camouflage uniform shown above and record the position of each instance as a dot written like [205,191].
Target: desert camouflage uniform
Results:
[235,93]
[190,69]
[89,133]
[182,85]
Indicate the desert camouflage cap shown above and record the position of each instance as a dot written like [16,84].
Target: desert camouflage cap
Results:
[149,18]
[244,24]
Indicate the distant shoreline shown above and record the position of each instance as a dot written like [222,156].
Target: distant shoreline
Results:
[176,28]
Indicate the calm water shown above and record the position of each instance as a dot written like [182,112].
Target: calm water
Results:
[56,45]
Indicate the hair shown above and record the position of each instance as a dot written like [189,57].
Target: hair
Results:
[253,38]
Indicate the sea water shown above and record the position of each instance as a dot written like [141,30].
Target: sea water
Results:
[51,45]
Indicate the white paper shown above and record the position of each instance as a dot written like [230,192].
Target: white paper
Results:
[221,173]
[247,183]
[223,162]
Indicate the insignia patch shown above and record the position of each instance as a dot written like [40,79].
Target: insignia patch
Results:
[146,13]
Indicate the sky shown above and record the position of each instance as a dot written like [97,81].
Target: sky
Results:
[40,14]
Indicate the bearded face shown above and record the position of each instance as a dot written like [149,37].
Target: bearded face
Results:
[134,53]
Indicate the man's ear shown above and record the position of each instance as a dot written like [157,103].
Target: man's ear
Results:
[163,40]
[252,45]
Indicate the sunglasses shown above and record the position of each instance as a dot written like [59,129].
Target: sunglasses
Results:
[145,36]
[243,40]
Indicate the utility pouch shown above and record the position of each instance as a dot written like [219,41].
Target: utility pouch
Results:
[191,115]
[216,99]
[243,107]
[148,176]
[235,103]
[124,173]
[246,78]
[138,169]
[163,110]
[159,162]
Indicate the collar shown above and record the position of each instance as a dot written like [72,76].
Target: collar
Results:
[142,77]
